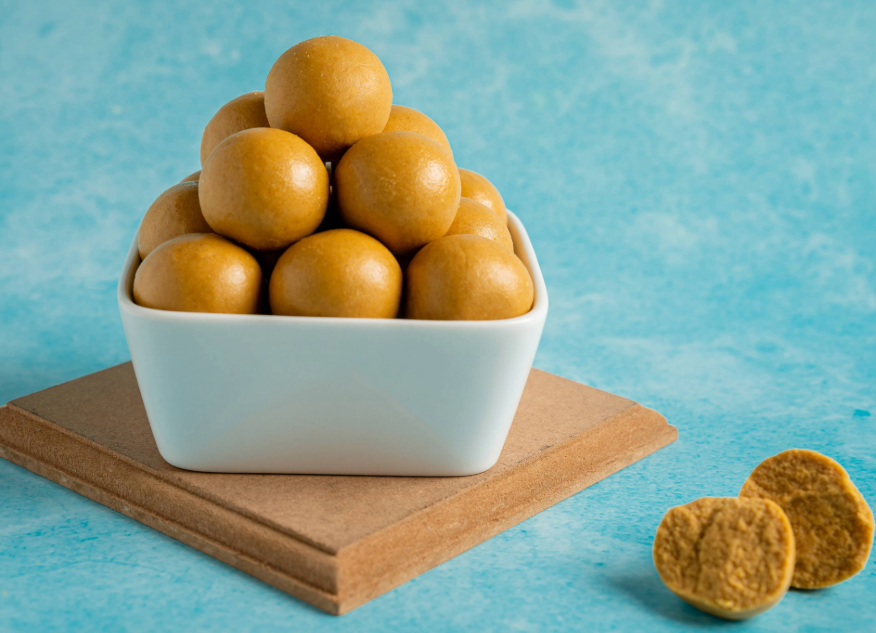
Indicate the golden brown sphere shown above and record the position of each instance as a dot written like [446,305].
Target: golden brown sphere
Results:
[409,120]
[479,189]
[199,273]
[330,91]
[339,273]
[175,212]
[473,218]
[239,114]
[467,278]
[195,177]
[400,187]
[264,188]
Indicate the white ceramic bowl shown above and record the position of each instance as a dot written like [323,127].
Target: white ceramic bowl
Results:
[275,394]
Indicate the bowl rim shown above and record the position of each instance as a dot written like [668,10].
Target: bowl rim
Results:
[522,243]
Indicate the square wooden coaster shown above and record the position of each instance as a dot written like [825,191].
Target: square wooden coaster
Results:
[335,542]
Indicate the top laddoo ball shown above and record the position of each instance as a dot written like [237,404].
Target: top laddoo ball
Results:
[406,119]
[331,92]
[239,114]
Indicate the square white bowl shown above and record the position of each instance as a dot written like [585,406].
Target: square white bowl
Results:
[332,396]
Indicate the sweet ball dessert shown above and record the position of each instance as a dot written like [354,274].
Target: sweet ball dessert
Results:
[467,277]
[242,113]
[733,558]
[476,187]
[199,273]
[403,119]
[320,198]
[330,91]
[833,525]
[473,218]
[175,212]
[264,188]
[400,187]
[337,273]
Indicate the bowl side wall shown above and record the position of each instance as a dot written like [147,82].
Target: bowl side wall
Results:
[230,393]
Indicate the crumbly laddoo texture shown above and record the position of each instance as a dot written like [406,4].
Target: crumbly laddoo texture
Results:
[175,212]
[199,273]
[331,92]
[729,557]
[473,218]
[476,187]
[833,525]
[241,113]
[467,278]
[406,119]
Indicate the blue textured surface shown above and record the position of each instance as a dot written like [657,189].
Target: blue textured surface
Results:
[698,178]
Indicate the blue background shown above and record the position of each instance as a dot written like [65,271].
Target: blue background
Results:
[698,178]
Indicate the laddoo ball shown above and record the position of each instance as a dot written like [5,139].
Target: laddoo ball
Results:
[467,277]
[477,188]
[399,187]
[473,218]
[337,273]
[832,522]
[331,92]
[199,273]
[241,113]
[730,557]
[195,177]
[406,119]
[264,188]
[175,212]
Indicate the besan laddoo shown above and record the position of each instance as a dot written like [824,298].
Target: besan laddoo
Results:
[331,92]
[241,113]
[199,273]
[476,187]
[264,188]
[403,119]
[473,218]
[467,277]
[337,273]
[730,557]
[175,212]
[399,187]
[832,522]
[349,206]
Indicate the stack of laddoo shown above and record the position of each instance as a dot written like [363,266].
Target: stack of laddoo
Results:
[319,197]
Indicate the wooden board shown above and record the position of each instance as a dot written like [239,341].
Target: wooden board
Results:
[335,542]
